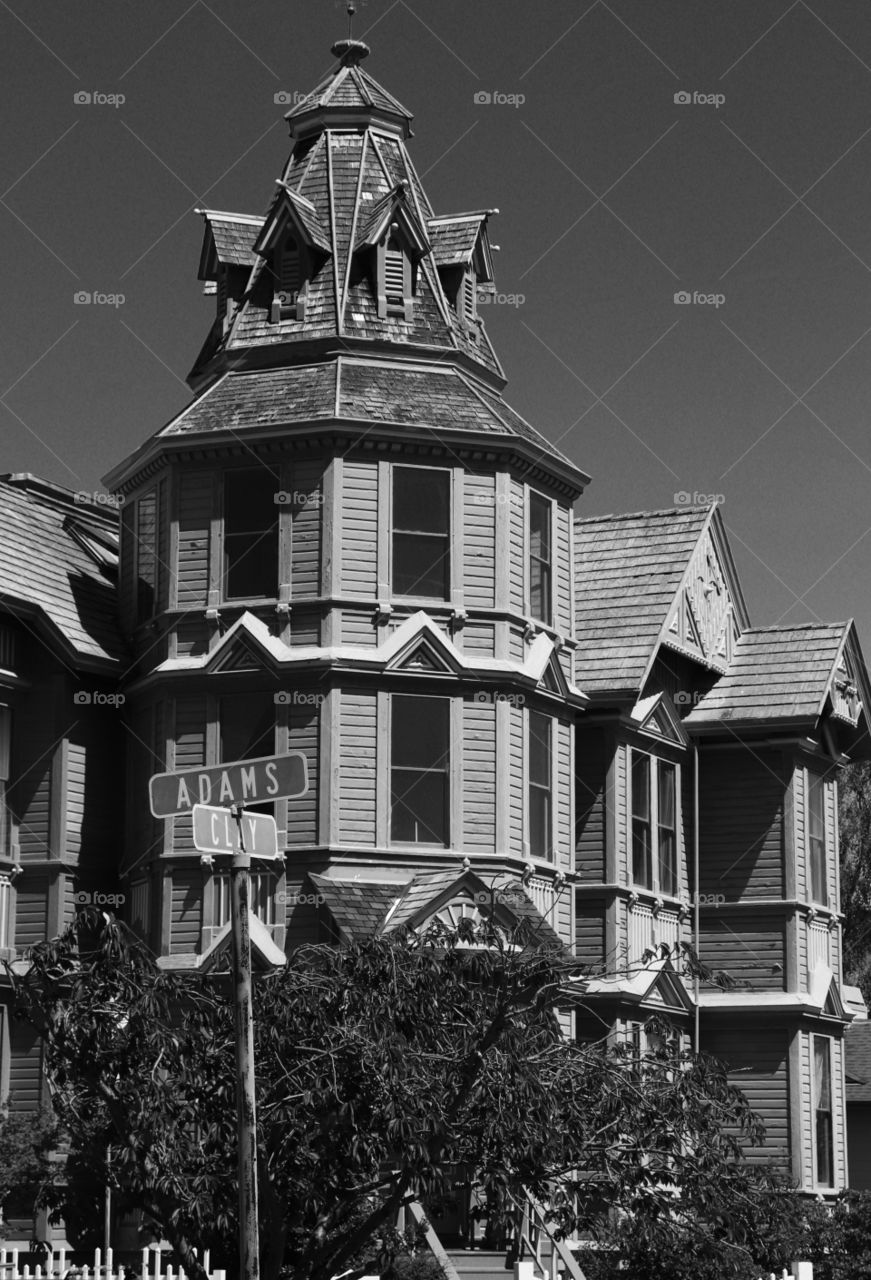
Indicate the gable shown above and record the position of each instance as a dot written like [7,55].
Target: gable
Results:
[239,655]
[845,688]
[656,714]
[703,619]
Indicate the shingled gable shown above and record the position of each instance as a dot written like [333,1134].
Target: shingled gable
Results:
[291,207]
[393,209]
[461,239]
[362,908]
[630,575]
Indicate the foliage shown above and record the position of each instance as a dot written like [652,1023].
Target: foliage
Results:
[839,1238]
[855,830]
[26,1140]
[382,1068]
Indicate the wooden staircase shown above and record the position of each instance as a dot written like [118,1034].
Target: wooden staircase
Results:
[481,1264]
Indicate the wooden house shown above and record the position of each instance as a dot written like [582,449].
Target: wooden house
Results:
[706,821]
[350,545]
[61,741]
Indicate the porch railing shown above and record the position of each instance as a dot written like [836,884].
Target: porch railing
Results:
[58,1265]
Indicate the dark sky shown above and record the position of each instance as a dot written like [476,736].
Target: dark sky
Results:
[613,198]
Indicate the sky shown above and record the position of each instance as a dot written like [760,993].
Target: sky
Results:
[684,273]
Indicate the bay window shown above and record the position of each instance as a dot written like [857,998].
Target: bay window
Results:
[250,533]
[421,532]
[653,823]
[824,1169]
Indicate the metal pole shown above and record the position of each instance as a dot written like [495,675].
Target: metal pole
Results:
[249,1253]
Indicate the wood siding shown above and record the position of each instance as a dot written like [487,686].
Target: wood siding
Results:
[562,574]
[305,566]
[479,777]
[479,540]
[749,946]
[516,796]
[187,909]
[516,548]
[357,766]
[593,758]
[189,750]
[302,814]
[24,1067]
[359,564]
[741,803]
[590,931]
[757,1064]
[195,510]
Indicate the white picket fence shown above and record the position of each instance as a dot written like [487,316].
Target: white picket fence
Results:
[800,1271]
[57,1266]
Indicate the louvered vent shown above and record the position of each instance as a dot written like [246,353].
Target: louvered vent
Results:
[469,291]
[289,274]
[394,273]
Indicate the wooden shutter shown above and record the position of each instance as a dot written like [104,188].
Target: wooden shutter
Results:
[394,273]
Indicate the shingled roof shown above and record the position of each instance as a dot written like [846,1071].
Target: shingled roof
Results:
[231,236]
[361,907]
[454,237]
[47,573]
[439,398]
[857,1043]
[627,571]
[776,673]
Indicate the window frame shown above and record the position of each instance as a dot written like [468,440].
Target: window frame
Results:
[816,843]
[656,765]
[396,469]
[394,700]
[545,566]
[282,307]
[145,609]
[262,889]
[225,477]
[822,1116]
[549,854]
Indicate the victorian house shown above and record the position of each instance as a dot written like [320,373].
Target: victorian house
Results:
[349,545]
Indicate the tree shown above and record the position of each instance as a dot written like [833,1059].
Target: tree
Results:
[26,1142]
[855,857]
[383,1068]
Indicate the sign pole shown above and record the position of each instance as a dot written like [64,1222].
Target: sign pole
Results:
[249,1251]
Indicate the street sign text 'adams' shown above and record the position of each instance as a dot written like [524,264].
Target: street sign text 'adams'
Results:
[242,782]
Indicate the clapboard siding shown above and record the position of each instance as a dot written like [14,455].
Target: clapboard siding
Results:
[478,638]
[305,554]
[516,645]
[191,637]
[77,759]
[516,796]
[358,717]
[758,1066]
[189,750]
[590,930]
[562,584]
[25,1060]
[195,508]
[832,864]
[593,756]
[479,776]
[187,909]
[305,626]
[859,1145]
[126,586]
[360,528]
[741,806]
[479,540]
[163,567]
[516,547]
[563,796]
[302,813]
[839,1113]
[750,947]
[617,788]
[359,628]
[31,907]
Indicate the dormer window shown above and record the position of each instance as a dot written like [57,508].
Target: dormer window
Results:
[394,278]
[288,296]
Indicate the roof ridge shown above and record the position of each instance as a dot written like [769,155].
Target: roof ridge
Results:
[798,626]
[646,515]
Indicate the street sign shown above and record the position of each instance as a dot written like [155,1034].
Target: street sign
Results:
[217,831]
[242,782]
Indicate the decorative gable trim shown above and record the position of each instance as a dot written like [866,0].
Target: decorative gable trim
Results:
[656,715]
[848,684]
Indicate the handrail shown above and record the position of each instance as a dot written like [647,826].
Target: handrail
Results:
[565,1254]
[433,1241]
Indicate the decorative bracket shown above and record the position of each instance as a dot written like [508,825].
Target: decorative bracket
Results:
[633,899]
[530,631]
[812,914]
[383,612]
[658,904]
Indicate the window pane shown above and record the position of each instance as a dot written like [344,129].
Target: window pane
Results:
[420,500]
[539,748]
[817,838]
[419,773]
[640,785]
[539,527]
[641,854]
[420,565]
[539,557]
[822,1074]
[250,533]
[667,833]
[667,861]
[539,590]
[540,845]
[247,726]
[822,1092]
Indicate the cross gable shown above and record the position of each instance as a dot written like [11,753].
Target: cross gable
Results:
[705,617]
[293,212]
[848,683]
[394,212]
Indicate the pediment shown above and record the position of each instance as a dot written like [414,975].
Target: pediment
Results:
[424,658]
[425,650]
[394,212]
[293,212]
[553,679]
[238,656]
[247,646]
[845,685]
[656,715]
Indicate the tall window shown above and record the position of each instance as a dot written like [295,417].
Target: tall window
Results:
[419,763]
[250,533]
[540,786]
[642,856]
[5,912]
[822,1092]
[145,553]
[421,532]
[817,838]
[666,826]
[247,726]
[539,558]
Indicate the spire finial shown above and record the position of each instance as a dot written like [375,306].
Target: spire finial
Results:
[352,9]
